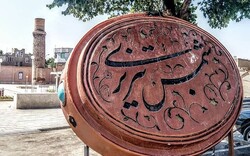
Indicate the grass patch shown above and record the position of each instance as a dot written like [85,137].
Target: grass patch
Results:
[26,87]
[51,90]
[6,98]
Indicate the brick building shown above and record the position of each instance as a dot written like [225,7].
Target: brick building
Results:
[243,64]
[22,75]
[16,58]
[62,54]
[16,67]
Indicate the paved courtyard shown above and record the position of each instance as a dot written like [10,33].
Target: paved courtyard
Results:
[37,132]
[24,121]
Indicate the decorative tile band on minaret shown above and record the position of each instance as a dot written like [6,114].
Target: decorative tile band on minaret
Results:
[39,43]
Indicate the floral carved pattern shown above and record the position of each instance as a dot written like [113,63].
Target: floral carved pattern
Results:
[158,83]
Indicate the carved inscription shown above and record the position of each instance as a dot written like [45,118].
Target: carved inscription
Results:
[143,85]
[161,78]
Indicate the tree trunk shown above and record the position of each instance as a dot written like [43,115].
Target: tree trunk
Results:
[183,13]
[169,7]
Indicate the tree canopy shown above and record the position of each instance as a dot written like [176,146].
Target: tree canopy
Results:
[218,12]
[50,62]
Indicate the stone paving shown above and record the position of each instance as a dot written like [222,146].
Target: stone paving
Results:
[32,129]
[29,120]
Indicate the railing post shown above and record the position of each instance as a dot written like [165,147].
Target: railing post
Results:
[231,143]
[86,150]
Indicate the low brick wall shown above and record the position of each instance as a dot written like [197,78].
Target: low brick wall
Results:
[36,100]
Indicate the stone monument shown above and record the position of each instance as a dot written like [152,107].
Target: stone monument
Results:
[143,85]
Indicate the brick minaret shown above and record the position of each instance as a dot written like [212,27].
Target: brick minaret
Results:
[38,63]
[39,43]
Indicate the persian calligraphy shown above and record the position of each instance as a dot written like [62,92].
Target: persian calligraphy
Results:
[145,74]
[151,86]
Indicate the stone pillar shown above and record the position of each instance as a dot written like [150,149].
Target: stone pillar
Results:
[39,46]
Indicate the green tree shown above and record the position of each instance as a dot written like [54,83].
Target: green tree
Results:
[50,62]
[218,12]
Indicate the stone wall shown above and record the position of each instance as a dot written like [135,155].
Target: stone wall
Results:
[36,100]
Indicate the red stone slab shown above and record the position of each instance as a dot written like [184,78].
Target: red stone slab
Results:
[140,85]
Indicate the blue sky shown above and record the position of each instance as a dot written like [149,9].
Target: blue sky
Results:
[17,24]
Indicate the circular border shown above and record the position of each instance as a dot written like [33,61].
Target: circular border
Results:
[82,102]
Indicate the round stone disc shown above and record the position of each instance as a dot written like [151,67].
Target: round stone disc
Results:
[141,85]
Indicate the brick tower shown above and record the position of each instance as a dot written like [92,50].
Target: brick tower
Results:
[38,49]
[39,43]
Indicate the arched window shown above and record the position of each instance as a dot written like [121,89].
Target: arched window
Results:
[20,75]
